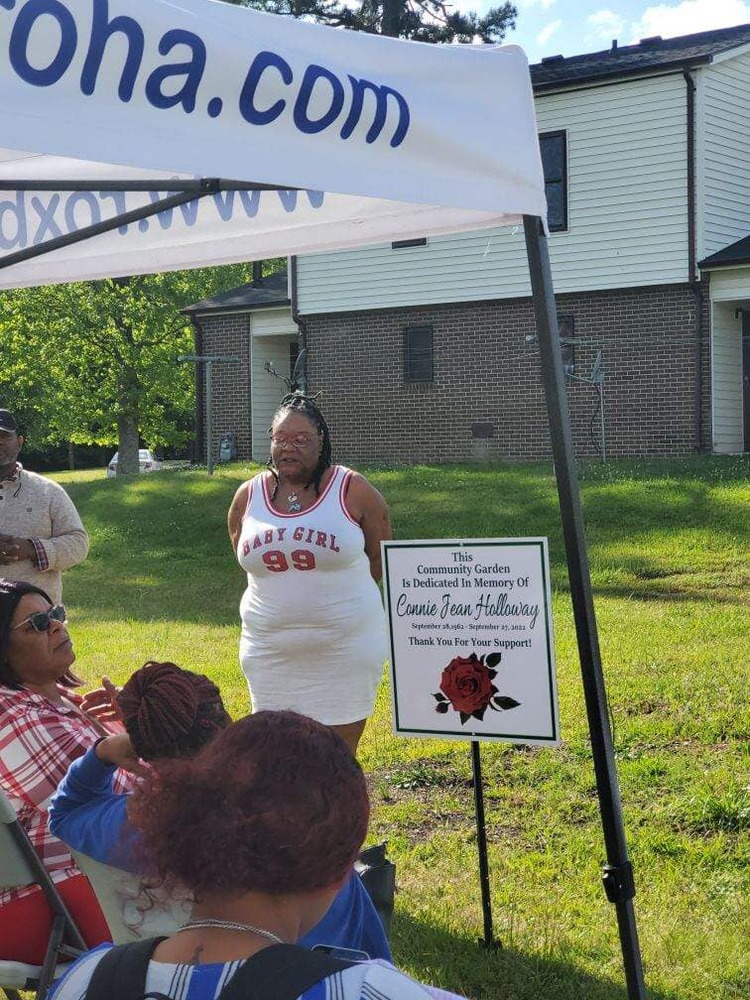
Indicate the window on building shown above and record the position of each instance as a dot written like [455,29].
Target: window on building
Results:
[566,326]
[293,355]
[553,146]
[418,353]
[420,241]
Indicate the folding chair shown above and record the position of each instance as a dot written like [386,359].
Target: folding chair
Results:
[129,914]
[20,865]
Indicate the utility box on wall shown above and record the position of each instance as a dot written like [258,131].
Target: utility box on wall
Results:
[228,447]
[483,446]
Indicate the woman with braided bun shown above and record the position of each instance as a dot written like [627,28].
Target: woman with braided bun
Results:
[308,533]
[167,712]
[170,714]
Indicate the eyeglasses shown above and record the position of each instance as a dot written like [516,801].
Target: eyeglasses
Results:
[40,621]
[296,441]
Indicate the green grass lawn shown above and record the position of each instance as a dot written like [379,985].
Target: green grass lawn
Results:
[668,544]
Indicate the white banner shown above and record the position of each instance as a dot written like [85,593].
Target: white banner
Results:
[472,650]
[221,228]
[406,139]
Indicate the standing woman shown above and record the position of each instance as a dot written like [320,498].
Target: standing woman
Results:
[308,535]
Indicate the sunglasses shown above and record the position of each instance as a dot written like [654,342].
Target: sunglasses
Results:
[40,621]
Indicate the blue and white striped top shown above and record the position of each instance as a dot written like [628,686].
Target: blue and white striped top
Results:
[373,980]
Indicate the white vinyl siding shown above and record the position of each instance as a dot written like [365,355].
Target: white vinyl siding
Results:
[731,284]
[730,289]
[271,333]
[627,215]
[273,322]
[726,365]
[723,154]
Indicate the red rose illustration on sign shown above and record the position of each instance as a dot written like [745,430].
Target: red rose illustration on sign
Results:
[467,684]
[467,688]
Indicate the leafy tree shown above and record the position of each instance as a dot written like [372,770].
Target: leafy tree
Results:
[96,362]
[418,20]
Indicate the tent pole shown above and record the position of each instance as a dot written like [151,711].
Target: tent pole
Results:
[183,192]
[70,239]
[618,879]
[175,186]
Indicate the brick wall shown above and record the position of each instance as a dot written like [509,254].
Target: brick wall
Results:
[486,372]
[231,382]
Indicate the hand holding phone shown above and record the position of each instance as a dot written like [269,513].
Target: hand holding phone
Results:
[345,954]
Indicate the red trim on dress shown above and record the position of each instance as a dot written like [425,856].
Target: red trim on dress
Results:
[342,497]
[249,496]
[301,513]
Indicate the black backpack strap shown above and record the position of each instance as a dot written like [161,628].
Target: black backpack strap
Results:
[281,972]
[121,973]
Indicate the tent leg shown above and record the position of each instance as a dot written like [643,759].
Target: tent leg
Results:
[618,873]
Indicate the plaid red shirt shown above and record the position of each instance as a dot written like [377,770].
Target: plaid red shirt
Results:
[39,739]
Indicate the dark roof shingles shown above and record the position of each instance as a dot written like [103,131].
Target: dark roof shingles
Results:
[649,54]
[273,292]
[735,253]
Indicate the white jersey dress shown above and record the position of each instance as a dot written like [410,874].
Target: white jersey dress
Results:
[313,627]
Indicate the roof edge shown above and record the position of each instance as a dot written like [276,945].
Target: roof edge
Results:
[212,310]
[735,254]
[609,76]
[708,265]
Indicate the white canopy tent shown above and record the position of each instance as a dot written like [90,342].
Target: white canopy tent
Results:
[147,135]
[388,138]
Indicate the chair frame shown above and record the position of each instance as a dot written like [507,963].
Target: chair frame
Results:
[65,937]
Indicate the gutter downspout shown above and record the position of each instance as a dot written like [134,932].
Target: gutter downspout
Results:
[199,390]
[695,284]
[297,319]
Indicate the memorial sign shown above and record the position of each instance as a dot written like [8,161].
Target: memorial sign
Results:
[472,651]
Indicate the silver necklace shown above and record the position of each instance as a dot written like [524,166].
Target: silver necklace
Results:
[231,925]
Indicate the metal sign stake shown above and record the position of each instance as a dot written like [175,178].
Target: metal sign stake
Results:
[488,941]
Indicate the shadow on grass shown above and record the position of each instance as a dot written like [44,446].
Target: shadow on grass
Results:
[160,549]
[674,595]
[504,974]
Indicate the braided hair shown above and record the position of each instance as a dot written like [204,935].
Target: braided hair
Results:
[170,712]
[300,402]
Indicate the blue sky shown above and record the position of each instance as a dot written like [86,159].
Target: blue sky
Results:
[570,27]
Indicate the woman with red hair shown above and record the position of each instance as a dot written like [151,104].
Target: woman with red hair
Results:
[171,713]
[262,826]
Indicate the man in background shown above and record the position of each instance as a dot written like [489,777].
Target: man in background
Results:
[41,533]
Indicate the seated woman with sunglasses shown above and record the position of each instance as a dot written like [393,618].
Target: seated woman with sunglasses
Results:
[42,730]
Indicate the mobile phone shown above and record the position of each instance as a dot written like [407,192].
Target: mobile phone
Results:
[346,954]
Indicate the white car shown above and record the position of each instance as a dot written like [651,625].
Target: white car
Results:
[147,462]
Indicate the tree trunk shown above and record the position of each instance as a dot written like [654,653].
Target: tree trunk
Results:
[127,444]
[71,456]
[128,395]
[391,21]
